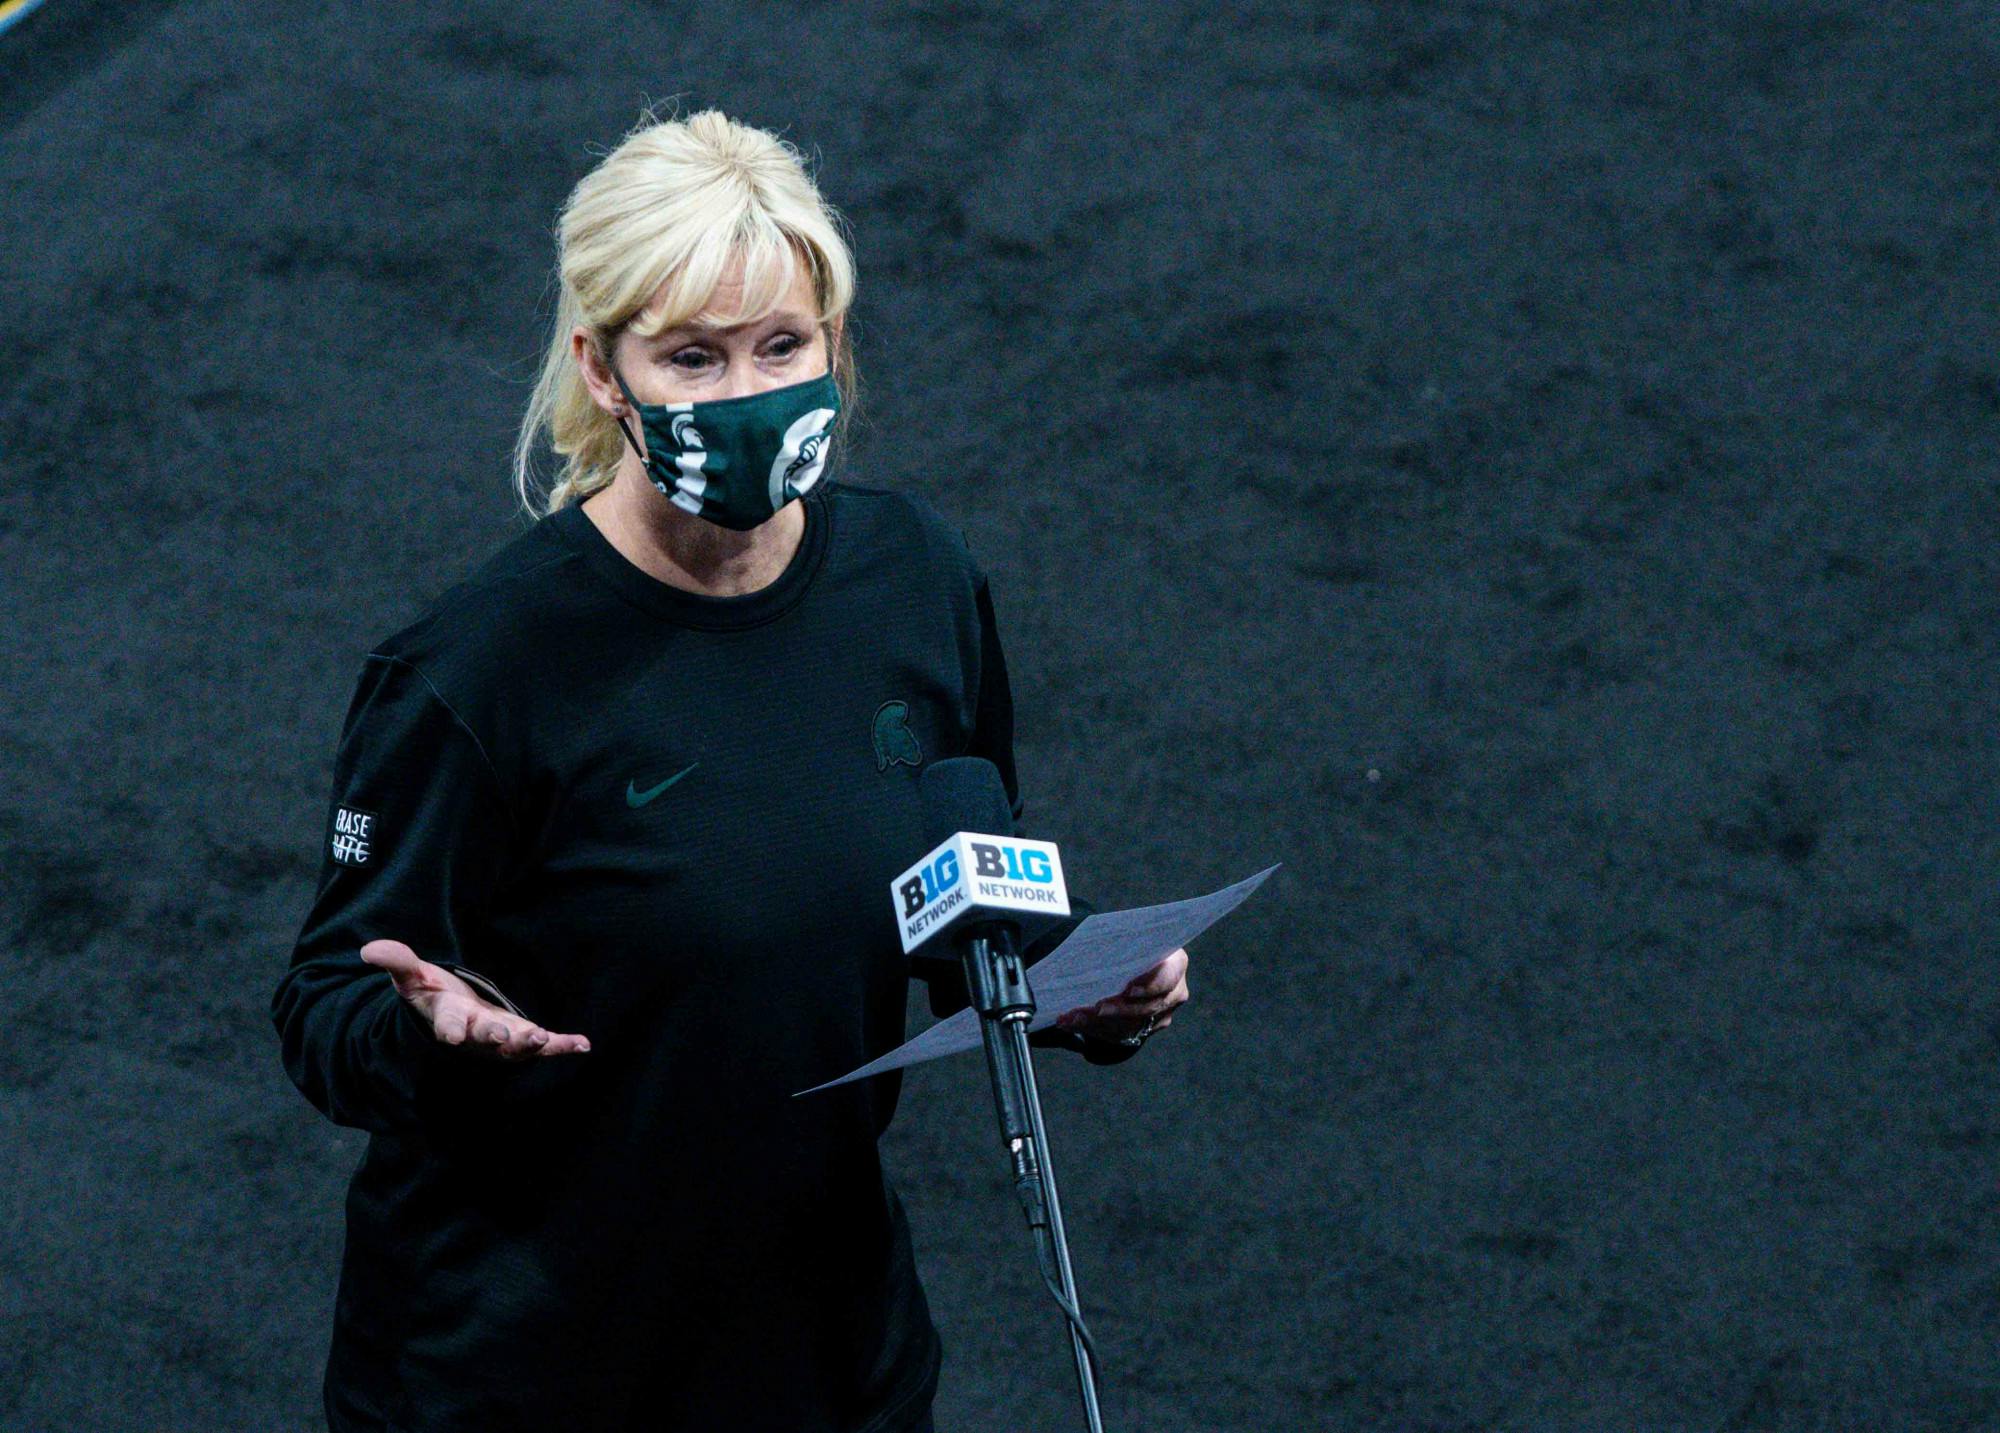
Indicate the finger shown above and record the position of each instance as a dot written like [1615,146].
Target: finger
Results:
[566,1045]
[413,975]
[1148,988]
[1108,1022]
[1090,1017]
[449,1023]
[1162,977]
[1173,995]
[522,1041]
[1118,1008]
[392,956]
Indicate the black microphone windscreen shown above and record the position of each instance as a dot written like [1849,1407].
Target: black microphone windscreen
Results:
[963,793]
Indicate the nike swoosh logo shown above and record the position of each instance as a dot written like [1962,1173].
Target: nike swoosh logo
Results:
[635,797]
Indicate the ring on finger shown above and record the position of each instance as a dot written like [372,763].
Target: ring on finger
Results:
[1135,1041]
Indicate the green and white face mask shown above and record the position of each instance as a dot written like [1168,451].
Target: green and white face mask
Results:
[736,461]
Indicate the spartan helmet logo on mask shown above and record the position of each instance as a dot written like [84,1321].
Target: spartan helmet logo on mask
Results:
[685,433]
[802,454]
[808,453]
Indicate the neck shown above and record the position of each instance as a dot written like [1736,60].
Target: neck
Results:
[691,552]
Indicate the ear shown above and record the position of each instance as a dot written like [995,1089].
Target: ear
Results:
[596,375]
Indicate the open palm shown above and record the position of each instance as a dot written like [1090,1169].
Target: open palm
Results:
[460,1015]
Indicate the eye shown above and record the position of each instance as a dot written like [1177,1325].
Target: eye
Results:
[786,344]
[699,355]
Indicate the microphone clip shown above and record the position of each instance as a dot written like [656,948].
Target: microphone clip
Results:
[996,981]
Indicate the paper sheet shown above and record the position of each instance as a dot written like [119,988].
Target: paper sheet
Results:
[1097,961]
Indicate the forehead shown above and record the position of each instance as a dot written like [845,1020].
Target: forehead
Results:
[729,307]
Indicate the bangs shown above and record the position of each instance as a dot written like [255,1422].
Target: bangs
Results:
[771,263]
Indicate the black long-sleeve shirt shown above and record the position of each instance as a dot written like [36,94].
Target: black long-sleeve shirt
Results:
[667,822]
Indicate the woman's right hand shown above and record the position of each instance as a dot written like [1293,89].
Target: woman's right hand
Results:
[458,1014]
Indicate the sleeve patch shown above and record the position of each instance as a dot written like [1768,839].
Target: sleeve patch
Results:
[353,835]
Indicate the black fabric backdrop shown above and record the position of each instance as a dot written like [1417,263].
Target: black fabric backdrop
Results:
[1528,467]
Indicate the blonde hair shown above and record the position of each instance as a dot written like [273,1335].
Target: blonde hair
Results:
[670,208]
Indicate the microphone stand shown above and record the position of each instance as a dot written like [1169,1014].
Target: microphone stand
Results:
[997,982]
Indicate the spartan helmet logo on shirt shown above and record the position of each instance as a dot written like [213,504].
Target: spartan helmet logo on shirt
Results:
[894,741]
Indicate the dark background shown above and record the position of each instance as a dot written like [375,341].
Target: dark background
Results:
[1530,468]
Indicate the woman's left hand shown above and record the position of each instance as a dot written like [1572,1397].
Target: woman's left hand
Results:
[1155,995]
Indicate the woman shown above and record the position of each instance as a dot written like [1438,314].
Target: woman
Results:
[612,830]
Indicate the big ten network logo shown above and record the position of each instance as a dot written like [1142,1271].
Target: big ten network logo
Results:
[972,870]
[353,835]
[1010,863]
[1013,863]
[928,883]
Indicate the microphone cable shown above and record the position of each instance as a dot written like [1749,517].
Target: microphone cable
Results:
[1028,1189]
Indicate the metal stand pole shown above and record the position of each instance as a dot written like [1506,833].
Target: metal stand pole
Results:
[997,983]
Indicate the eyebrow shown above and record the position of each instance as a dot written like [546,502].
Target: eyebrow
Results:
[782,316]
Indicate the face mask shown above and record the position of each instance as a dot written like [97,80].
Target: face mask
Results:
[736,461]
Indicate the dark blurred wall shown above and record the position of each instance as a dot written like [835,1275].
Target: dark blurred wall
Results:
[1530,468]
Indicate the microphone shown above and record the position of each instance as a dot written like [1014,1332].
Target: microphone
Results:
[972,889]
[978,878]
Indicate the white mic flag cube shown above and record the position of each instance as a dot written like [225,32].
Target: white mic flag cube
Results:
[973,874]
